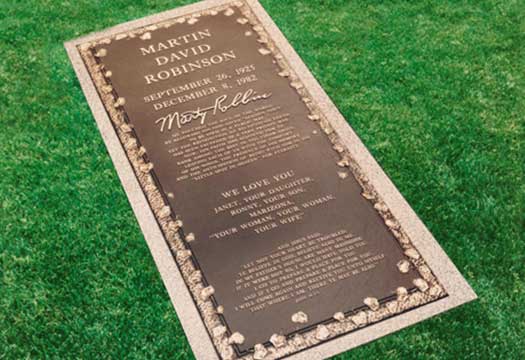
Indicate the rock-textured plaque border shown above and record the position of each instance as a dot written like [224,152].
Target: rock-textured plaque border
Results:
[224,337]
[439,288]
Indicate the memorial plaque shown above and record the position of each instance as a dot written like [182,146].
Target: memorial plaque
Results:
[285,235]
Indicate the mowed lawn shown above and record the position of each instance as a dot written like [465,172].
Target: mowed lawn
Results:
[434,88]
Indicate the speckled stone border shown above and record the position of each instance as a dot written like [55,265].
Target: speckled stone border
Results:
[429,288]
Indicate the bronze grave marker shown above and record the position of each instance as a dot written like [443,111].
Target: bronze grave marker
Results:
[284,240]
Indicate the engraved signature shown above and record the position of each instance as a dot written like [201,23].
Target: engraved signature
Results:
[221,104]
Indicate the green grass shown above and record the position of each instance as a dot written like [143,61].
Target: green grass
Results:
[434,89]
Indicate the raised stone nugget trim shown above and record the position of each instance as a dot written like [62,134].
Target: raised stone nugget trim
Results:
[429,288]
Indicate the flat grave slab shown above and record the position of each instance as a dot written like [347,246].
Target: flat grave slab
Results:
[275,231]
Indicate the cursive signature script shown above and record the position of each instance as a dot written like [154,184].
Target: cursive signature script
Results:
[221,104]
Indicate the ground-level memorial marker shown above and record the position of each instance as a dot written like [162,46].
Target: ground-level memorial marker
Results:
[275,232]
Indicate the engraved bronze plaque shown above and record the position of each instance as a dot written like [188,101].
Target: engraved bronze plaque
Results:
[280,237]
